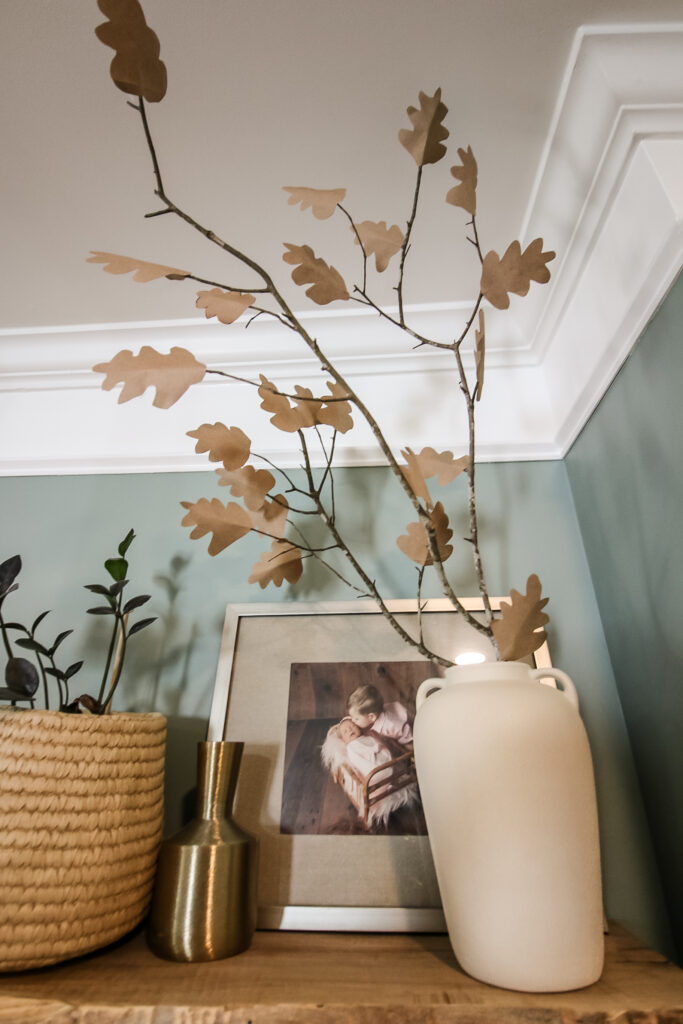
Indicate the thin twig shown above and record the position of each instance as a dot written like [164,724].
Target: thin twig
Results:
[362,247]
[406,245]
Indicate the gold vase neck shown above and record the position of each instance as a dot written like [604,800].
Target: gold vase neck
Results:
[218,765]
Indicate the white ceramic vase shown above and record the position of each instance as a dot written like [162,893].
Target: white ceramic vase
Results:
[506,779]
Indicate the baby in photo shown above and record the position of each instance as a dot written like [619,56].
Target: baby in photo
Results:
[365,751]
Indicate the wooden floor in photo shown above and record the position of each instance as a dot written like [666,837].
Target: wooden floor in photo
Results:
[327,978]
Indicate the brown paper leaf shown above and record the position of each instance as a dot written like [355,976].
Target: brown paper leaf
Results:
[429,463]
[322,201]
[519,631]
[226,306]
[479,354]
[136,68]
[415,477]
[415,543]
[379,241]
[171,374]
[465,194]
[144,271]
[335,414]
[288,417]
[326,283]
[425,141]
[271,518]
[252,485]
[282,562]
[226,523]
[228,445]
[514,272]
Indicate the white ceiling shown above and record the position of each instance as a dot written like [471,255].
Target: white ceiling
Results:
[267,93]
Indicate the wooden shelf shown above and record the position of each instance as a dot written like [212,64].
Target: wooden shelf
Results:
[325,977]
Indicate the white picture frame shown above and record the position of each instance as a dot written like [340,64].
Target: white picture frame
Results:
[329,882]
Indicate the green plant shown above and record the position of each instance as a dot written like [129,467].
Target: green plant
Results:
[22,678]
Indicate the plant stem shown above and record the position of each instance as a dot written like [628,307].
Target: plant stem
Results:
[118,665]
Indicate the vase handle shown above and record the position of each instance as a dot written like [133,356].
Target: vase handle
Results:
[568,688]
[425,688]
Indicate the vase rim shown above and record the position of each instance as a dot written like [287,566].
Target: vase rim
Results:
[488,670]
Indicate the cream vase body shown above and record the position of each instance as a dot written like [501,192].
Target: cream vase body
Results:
[506,779]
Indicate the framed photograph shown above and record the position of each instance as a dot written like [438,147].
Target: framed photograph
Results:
[323,697]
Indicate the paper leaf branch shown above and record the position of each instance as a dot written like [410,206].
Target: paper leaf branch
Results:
[326,283]
[519,631]
[322,201]
[144,271]
[225,306]
[282,562]
[415,543]
[514,272]
[465,194]
[430,463]
[379,241]
[228,445]
[307,410]
[226,523]
[425,141]
[135,68]
[171,374]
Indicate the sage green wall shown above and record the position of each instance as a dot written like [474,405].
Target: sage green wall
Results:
[64,527]
[626,477]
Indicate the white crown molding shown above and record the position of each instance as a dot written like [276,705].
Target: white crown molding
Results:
[613,209]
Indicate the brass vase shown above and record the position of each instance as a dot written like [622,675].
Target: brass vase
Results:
[204,902]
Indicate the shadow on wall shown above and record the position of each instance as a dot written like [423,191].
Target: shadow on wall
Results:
[182,737]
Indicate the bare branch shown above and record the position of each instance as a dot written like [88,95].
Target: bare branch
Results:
[362,247]
[406,245]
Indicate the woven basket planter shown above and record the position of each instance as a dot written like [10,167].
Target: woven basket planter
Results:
[81,808]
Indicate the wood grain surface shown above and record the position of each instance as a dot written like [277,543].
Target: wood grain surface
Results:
[295,976]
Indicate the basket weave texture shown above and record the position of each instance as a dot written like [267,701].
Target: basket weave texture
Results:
[81,814]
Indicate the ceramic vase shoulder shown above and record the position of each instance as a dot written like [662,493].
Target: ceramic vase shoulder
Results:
[506,779]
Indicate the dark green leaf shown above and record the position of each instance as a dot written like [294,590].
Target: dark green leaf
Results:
[135,602]
[117,568]
[89,703]
[116,588]
[7,694]
[9,570]
[33,645]
[62,636]
[21,676]
[3,595]
[16,625]
[73,669]
[97,588]
[38,621]
[126,542]
[101,611]
[140,625]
